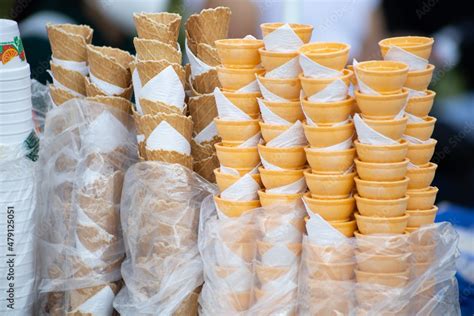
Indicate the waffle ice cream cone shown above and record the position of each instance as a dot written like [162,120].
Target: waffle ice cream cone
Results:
[155,107]
[203,110]
[170,157]
[110,65]
[148,49]
[203,150]
[69,78]
[205,168]
[161,26]
[205,83]
[181,123]
[68,41]
[208,54]
[92,90]
[59,96]
[116,102]
[149,69]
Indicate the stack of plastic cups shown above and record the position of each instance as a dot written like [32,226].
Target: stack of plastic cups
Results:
[415,51]
[17,188]
[382,257]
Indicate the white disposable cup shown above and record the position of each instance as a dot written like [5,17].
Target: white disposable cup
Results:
[15,133]
[22,297]
[15,78]
[16,105]
[21,93]
[19,222]
[8,30]
[15,84]
[16,116]
[23,278]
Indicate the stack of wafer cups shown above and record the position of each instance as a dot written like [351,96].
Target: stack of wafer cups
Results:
[381,182]
[69,66]
[330,131]
[202,30]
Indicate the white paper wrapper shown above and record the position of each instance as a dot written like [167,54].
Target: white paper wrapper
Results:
[105,86]
[289,70]
[244,189]
[207,134]
[79,66]
[165,137]
[335,91]
[298,186]
[268,95]
[292,137]
[413,61]
[368,135]
[227,110]
[283,39]
[197,66]
[137,87]
[61,86]
[314,70]
[270,117]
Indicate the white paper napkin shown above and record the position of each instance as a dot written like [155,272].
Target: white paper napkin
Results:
[335,91]
[99,304]
[249,88]
[270,117]
[197,66]
[227,110]
[244,189]
[413,61]
[268,95]
[207,134]
[288,70]
[341,146]
[314,70]
[108,88]
[299,186]
[252,141]
[283,39]
[292,137]
[415,93]
[413,119]
[362,86]
[277,256]
[79,66]
[137,87]
[367,135]
[320,232]
[232,171]
[165,137]
[61,86]
[415,140]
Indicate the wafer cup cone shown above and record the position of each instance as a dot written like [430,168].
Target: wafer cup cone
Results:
[209,25]
[263,247]
[183,124]
[290,111]
[286,158]
[247,102]
[161,26]
[225,180]
[329,54]
[288,89]
[205,83]
[278,178]
[110,65]
[421,199]
[420,79]
[392,128]
[381,225]
[330,162]
[418,45]
[235,208]
[272,60]
[234,133]
[419,218]
[381,208]
[312,86]
[383,76]
[203,150]
[69,78]
[59,95]
[323,186]
[237,157]
[421,177]
[208,54]
[234,78]
[239,53]
[116,102]
[387,279]
[382,153]
[150,68]
[155,107]
[323,113]
[304,31]
[92,90]
[369,105]
[268,199]
[421,154]
[382,263]
[331,209]
[170,157]
[330,271]
[421,106]
[68,41]
[205,168]
[203,110]
[324,136]
[270,131]
[267,274]
[148,49]
[372,171]
[382,190]
[421,130]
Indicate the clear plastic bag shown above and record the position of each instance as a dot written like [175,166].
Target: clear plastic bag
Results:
[258,264]
[86,149]
[159,213]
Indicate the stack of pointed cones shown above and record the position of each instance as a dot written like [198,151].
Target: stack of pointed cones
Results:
[58,95]
[149,49]
[162,26]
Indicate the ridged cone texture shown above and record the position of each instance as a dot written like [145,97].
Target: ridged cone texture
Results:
[68,41]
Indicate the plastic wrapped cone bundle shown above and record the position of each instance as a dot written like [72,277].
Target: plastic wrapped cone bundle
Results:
[421,106]
[233,78]
[324,113]
[59,96]
[421,177]
[270,131]
[272,60]
[382,153]
[381,208]
[331,209]
[421,154]
[278,178]
[206,166]
[239,53]
[328,54]
[267,274]
[288,89]
[92,90]
[423,253]
[393,128]
[382,244]
[290,111]
[311,86]
[418,45]
[247,101]
[330,162]
[387,279]
[381,225]
[304,31]
[382,190]
[421,199]
[319,271]
[391,171]
[382,263]
[263,247]
[148,49]
[385,77]
[419,218]
[268,199]
[370,105]
[234,133]
[225,180]
[68,41]
[161,26]
[235,208]
[420,80]
[110,65]
[116,102]
[170,157]
[205,83]
[150,68]
[284,157]
[340,252]
[421,130]
[71,79]
[323,186]
[325,136]
[237,157]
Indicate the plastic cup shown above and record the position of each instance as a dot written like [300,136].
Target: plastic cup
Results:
[13,54]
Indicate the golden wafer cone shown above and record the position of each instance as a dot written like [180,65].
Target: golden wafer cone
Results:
[71,79]
[155,107]
[119,103]
[68,41]
[92,90]
[148,49]
[59,96]
[205,168]
[150,68]
[110,65]
[208,54]
[183,124]
[203,150]
[209,25]
[205,83]
[170,157]
[203,110]
[161,26]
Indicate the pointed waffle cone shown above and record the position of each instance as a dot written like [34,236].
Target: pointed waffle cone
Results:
[208,54]
[156,107]
[92,90]
[183,124]
[204,150]
[192,44]
[142,151]
[150,68]
[161,26]
[148,49]
[170,157]
[209,25]
[68,41]
[187,76]
[205,83]
[110,65]
[59,95]
[206,167]
[119,103]
[72,79]
[203,110]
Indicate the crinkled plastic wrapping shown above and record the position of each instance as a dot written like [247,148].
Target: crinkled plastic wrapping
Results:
[41,104]
[18,192]
[159,213]
[86,150]
[252,266]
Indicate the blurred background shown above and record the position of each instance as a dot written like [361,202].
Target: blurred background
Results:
[361,23]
